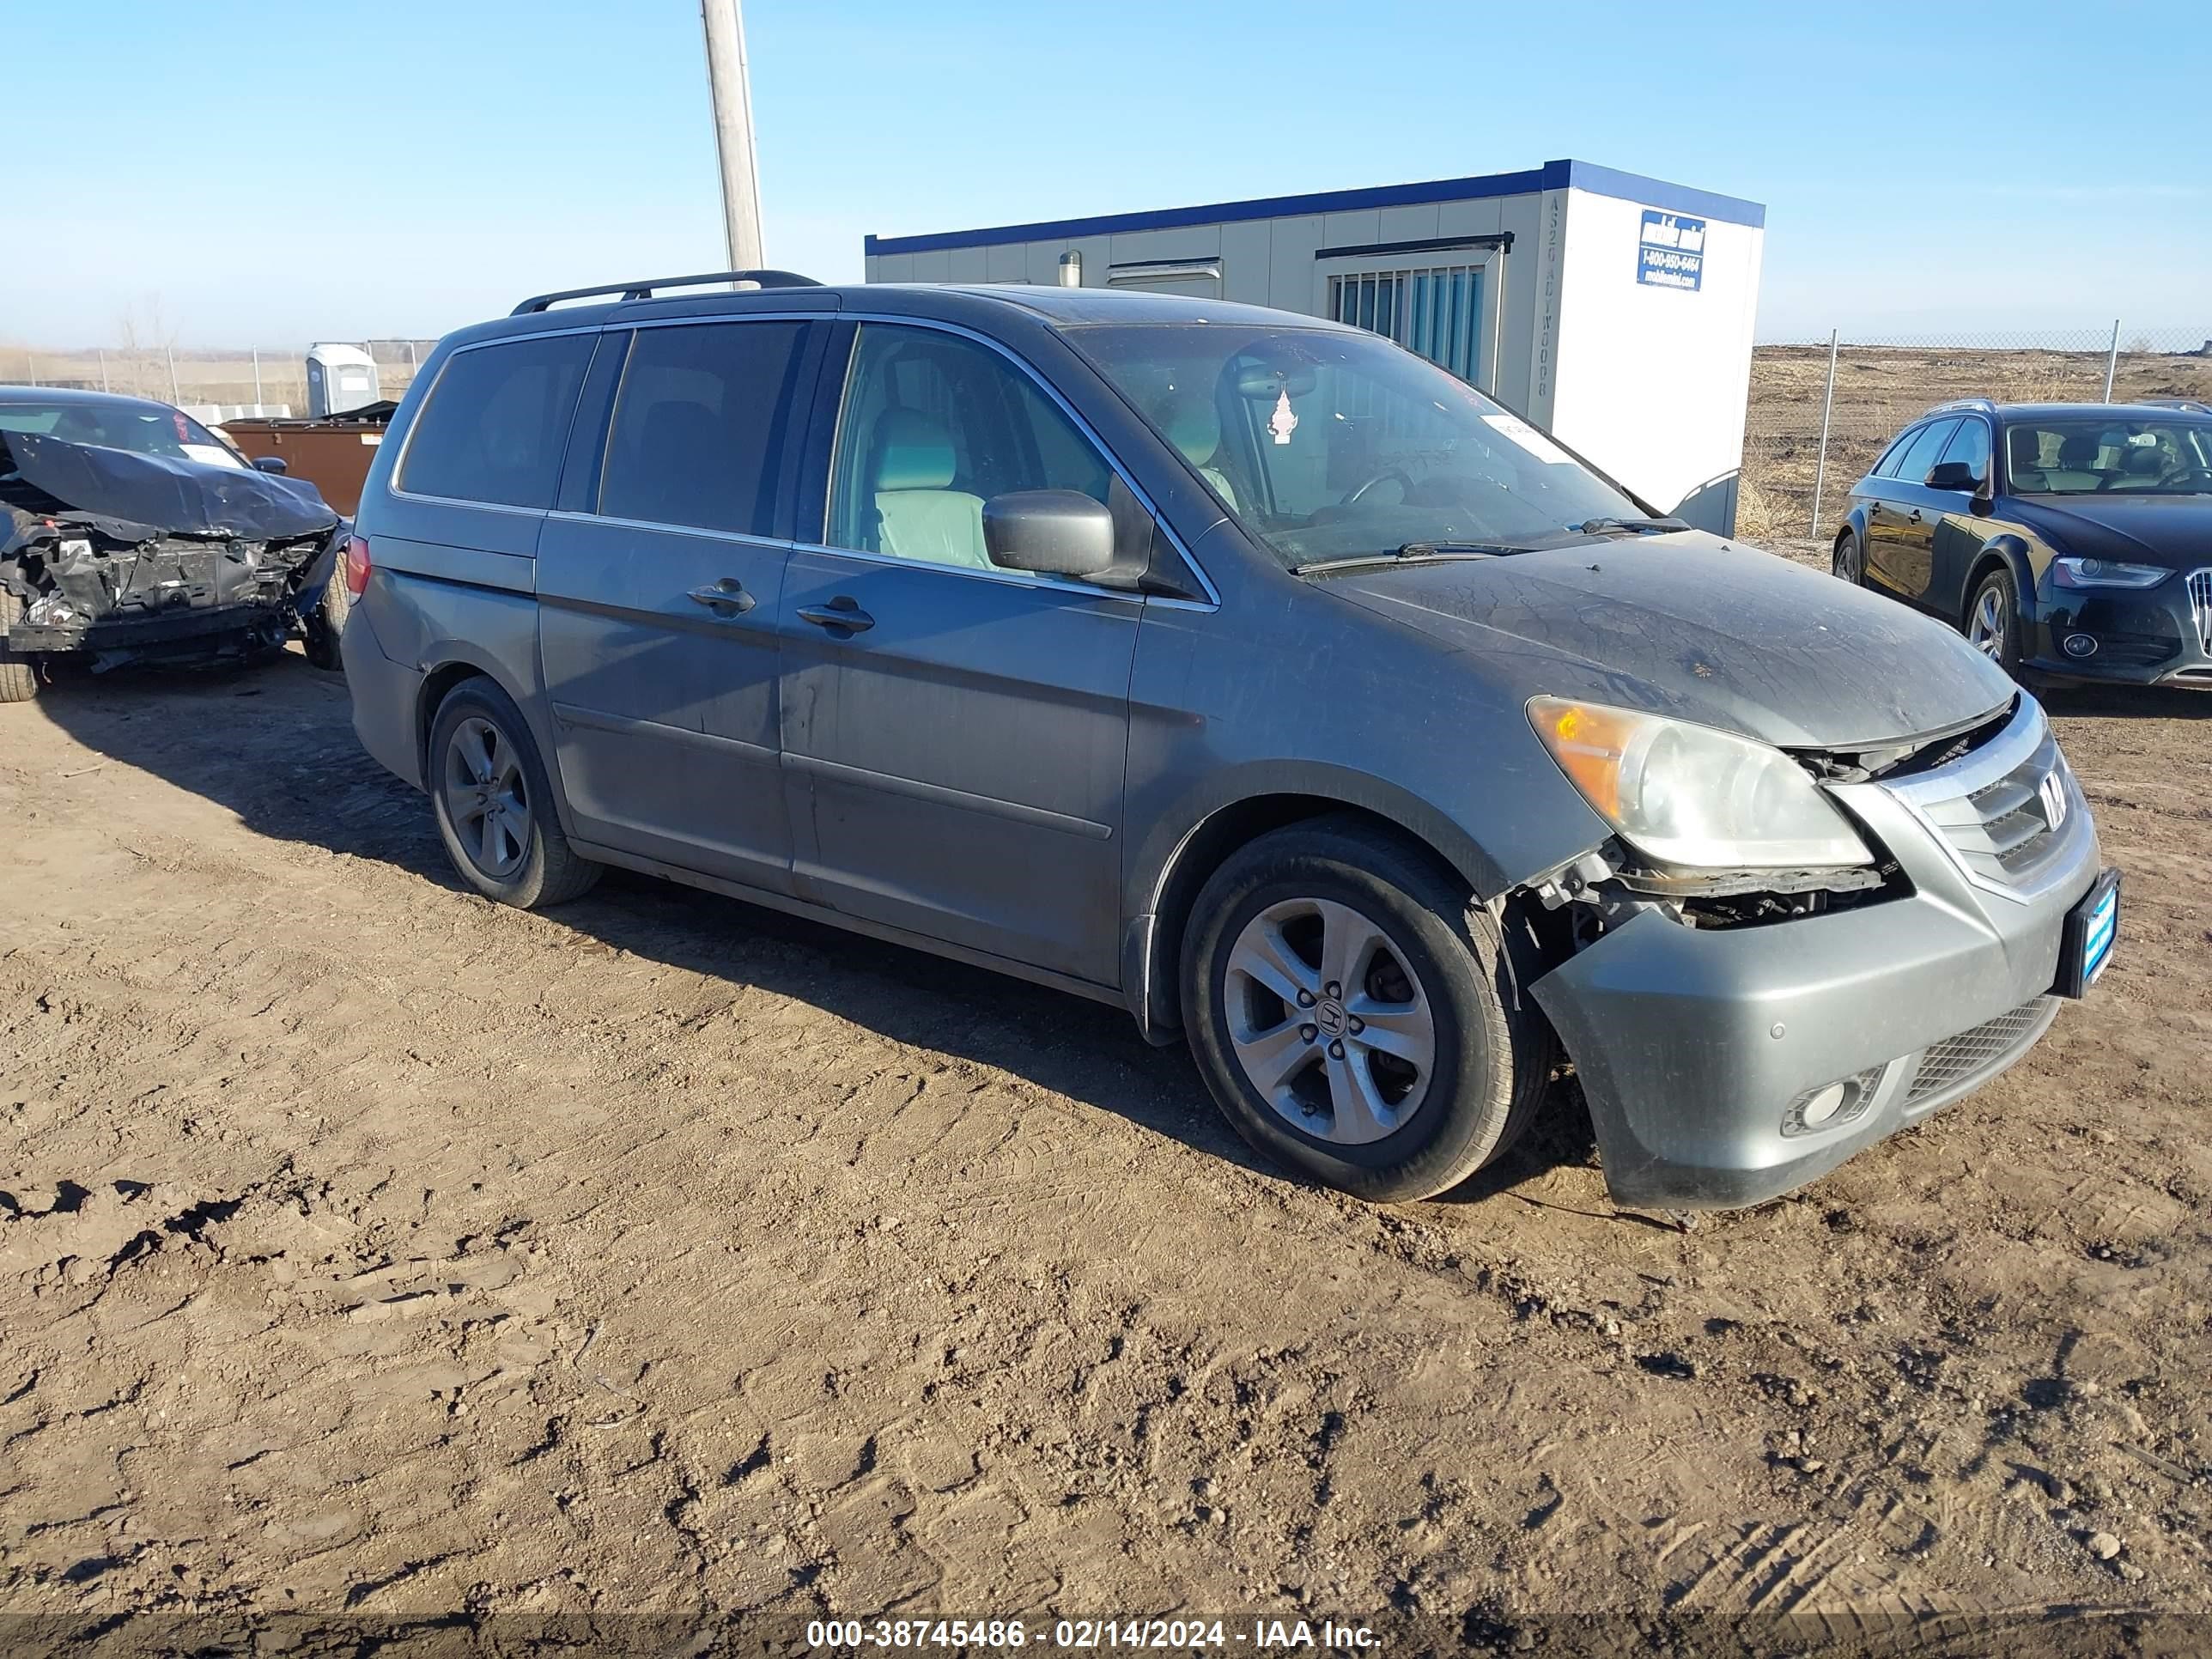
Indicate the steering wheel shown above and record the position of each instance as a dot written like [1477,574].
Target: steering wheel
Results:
[1405,483]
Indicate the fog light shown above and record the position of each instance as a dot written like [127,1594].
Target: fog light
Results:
[2081,645]
[1832,1104]
[1824,1104]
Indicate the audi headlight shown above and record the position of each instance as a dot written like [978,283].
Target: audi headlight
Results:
[2103,572]
[1691,797]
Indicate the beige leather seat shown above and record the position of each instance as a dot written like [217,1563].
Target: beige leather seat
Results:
[1193,426]
[2076,472]
[917,515]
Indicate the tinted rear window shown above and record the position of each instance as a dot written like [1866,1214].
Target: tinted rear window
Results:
[1914,466]
[701,425]
[1887,466]
[497,421]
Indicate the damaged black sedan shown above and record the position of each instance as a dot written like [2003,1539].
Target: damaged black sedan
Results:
[130,533]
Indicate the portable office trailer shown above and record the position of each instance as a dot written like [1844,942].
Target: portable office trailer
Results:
[1615,310]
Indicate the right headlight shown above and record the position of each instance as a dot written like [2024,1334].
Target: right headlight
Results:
[2104,572]
[1688,797]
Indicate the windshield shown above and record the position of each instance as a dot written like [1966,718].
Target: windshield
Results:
[141,428]
[1331,444]
[2101,454]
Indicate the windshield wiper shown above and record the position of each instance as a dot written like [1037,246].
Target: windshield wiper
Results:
[1413,553]
[1631,526]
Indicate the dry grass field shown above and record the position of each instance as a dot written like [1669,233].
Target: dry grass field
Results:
[1880,388]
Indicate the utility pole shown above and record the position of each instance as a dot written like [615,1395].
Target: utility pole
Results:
[734,129]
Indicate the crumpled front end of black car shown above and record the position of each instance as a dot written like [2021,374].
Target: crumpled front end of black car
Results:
[134,558]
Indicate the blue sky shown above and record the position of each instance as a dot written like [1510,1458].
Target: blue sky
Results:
[271,172]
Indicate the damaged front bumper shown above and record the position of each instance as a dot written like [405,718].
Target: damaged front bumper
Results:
[127,556]
[1727,1066]
[125,637]
[88,592]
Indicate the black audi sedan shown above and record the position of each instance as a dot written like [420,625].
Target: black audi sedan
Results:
[2067,541]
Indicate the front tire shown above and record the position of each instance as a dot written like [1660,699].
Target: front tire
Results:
[19,679]
[1350,1008]
[494,802]
[1993,620]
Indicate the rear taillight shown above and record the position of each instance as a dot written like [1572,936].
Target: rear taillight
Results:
[356,566]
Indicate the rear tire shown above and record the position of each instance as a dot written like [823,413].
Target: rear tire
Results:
[1992,626]
[323,625]
[1848,562]
[494,802]
[19,678]
[1391,1062]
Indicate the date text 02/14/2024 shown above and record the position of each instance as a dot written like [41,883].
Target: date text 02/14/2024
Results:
[1176,1634]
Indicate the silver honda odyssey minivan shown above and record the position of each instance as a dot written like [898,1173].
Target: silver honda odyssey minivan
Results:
[1242,669]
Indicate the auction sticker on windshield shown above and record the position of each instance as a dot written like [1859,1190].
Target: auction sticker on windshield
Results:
[1513,427]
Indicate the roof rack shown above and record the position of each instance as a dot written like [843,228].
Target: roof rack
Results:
[2187,405]
[1982,403]
[645,290]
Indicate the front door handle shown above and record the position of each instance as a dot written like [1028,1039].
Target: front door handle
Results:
[840,613]
[727,598]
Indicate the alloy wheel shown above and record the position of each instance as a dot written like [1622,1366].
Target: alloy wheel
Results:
[1985,628]
[487,800]
[1329,1022]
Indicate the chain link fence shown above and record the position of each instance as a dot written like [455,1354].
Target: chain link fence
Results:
[1821,412]
[1818,415]
[220,378]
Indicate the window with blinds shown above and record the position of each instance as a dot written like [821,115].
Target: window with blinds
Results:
[1435,311]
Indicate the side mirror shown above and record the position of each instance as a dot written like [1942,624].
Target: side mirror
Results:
[1953,475]
[271,463]
[1053,532]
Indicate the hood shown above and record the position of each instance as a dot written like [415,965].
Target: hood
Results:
[1690,626]
[165,496]
[2173,531]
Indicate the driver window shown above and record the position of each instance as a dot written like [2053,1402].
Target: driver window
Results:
[1972,446]
[934,425]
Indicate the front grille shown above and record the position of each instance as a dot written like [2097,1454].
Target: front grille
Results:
[2200,602]
[2004,831]
[1952,1061]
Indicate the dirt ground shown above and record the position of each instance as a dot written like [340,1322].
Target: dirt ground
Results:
[370,1251]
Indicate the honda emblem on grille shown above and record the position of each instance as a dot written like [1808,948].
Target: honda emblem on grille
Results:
[2052,790]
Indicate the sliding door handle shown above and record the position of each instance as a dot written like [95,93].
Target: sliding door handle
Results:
[840,615]
[727,598]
